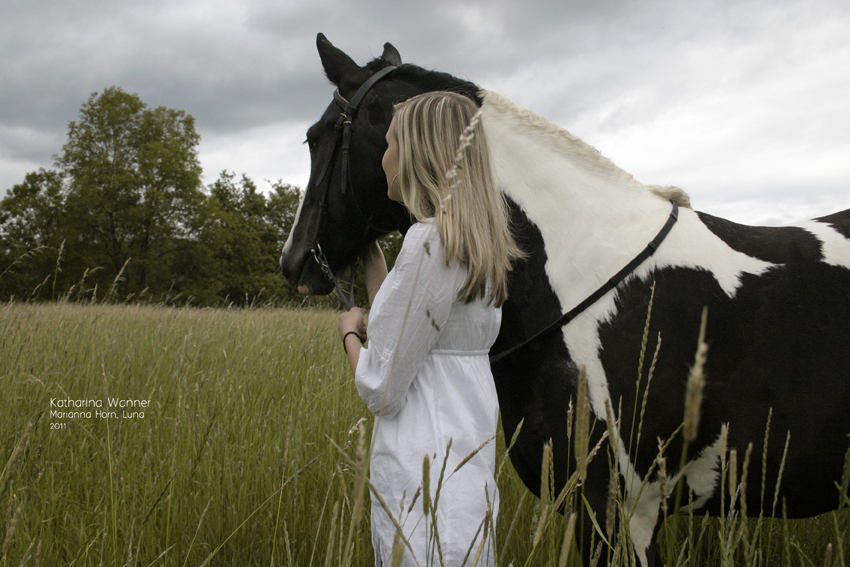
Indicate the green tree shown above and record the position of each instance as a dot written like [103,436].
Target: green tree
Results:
[246,232]
[134,197]
[30,214]
[127,201]
[32,231]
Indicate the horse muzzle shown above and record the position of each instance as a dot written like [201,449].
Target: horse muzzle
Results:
[303,272]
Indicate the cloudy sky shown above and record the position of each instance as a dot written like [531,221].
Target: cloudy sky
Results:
[745,104]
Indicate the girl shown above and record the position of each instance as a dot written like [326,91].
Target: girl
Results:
[426,374]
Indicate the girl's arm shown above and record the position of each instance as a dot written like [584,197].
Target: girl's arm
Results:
[412,312]
[374,269]
[352,322]
[374,272]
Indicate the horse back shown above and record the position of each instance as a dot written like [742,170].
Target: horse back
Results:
[779,354]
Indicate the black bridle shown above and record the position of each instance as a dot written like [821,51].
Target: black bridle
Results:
[343,135]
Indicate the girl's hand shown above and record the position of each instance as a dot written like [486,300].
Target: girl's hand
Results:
[352,321]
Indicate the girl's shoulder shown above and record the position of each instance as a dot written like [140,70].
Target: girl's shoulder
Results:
[422,228]
[422,231]
[422,237]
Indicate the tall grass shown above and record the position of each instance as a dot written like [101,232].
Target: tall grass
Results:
[252,451]
[240,402]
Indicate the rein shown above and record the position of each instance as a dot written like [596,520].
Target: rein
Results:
[343,132]
[348,301]
[599,293]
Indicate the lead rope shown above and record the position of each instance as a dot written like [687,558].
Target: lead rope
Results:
[319,256]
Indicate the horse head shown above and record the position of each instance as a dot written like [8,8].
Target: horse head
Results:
[345,205]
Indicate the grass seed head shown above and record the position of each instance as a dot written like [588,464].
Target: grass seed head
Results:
[398,550]
[744,474]
[415,498]
[13,459]
[696,385]
[568,541]
[611,508]
[733,472]
[582,425]
[426,485]
[612,428]
[11,531]
[545,492]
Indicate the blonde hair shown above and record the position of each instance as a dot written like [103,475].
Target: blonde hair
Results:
[470,211]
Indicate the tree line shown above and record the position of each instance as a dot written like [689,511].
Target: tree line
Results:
[124,216]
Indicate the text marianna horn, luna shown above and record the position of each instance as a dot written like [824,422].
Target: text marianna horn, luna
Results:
[83,408]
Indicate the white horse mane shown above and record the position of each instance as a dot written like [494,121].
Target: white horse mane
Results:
[576,147]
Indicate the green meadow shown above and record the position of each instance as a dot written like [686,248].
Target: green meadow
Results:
[137,435]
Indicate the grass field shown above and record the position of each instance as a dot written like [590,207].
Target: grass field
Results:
[227,454]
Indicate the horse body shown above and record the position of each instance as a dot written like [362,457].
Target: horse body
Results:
[593,218]
[778,304]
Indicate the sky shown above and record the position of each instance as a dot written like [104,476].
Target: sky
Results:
[744,104]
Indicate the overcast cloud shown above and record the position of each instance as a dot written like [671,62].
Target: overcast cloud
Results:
[744,104]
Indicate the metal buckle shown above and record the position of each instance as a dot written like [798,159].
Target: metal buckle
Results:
[326,269]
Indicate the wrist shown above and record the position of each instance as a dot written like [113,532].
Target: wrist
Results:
[345,338]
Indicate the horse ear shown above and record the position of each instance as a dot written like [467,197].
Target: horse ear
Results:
[339,67]
[391,54]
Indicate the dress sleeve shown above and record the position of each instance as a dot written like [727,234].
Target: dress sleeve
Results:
[406,324]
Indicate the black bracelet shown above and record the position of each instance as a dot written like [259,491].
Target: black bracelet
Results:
[346,335]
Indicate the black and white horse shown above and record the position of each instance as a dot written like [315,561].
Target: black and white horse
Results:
[778,302]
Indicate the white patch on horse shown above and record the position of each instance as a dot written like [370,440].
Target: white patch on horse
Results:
[642,501]
[644,516]
[835,248]
[703,475]
[594,218]
[288,244]
[692,245]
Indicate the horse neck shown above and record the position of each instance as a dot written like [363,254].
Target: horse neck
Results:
[593,217]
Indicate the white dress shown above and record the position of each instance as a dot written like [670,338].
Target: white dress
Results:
[426,376]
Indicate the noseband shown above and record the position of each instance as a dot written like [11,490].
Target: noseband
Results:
[343,133]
